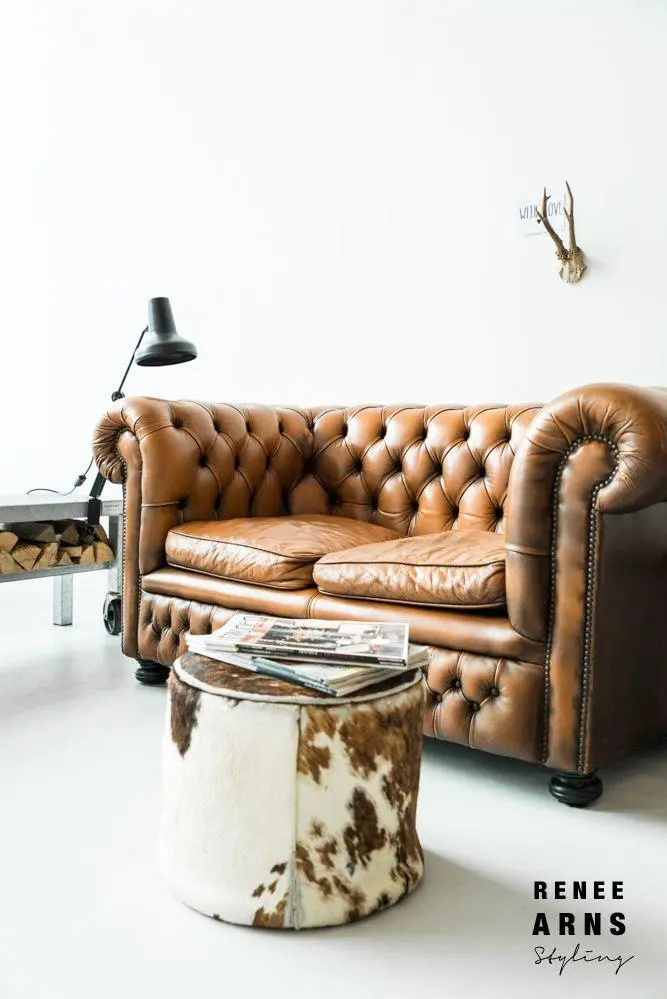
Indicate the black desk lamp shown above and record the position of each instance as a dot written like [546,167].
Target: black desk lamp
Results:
[163,346]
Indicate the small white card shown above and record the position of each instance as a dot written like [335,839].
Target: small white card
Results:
[528,223]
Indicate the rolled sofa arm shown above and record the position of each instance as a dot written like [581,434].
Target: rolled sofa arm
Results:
[597,449]
[184,461]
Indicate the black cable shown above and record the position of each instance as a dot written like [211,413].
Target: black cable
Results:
[79,481]
[115,396]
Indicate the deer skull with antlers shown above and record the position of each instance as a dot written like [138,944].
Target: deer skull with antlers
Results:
[573,262]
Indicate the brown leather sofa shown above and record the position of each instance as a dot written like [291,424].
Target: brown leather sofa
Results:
[526,545]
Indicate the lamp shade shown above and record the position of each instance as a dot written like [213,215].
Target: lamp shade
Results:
[162,344]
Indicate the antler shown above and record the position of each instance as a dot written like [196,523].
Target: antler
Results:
[568,210]
[561,252]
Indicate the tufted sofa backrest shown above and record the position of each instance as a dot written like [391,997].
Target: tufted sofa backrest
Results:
[416,469]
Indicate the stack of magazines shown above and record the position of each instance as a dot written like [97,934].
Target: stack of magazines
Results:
[334,657]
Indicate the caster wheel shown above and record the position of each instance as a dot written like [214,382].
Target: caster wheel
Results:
[112,613]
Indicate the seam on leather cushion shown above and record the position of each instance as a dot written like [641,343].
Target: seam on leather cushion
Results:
[271,585]
[330,560]
[243,544]
[411,603]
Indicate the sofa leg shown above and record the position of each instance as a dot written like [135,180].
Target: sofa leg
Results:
[149,673]
[576,790]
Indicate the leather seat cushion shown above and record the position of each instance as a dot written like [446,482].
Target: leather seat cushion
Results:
[459,569]
[269,551]
[485,633]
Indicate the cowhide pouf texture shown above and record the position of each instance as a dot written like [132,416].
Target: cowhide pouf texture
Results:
[283,809]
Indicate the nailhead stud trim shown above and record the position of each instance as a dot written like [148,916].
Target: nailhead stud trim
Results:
[588,600]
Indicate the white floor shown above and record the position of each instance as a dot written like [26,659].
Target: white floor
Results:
[83,914]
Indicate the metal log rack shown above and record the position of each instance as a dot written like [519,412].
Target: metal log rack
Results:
[32,507]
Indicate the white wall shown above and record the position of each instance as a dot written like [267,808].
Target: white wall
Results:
[326,191]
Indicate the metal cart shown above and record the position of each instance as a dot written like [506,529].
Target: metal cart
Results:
[23,508]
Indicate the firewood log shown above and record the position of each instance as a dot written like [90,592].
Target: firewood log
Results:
[68,531]
[63,558]
[7,564]
[100,534]
[35,532]
[103,552]
[26,554]
[74,551]
[48,557]
[7,540]
[87,555]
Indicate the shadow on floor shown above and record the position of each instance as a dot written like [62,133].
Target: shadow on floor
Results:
[453,902]
[633,785]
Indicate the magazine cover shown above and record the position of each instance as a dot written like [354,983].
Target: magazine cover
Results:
[334,679]
[348,640]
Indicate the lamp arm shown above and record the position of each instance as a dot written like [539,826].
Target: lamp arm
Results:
[118,394]
[94,503]
[168,349]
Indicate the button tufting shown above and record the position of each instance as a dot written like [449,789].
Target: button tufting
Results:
[494,691]
[415,481]
[474,706]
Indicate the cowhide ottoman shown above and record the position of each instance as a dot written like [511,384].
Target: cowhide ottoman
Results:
[284,807]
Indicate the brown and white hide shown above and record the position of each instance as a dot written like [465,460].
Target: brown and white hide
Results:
[295,812]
